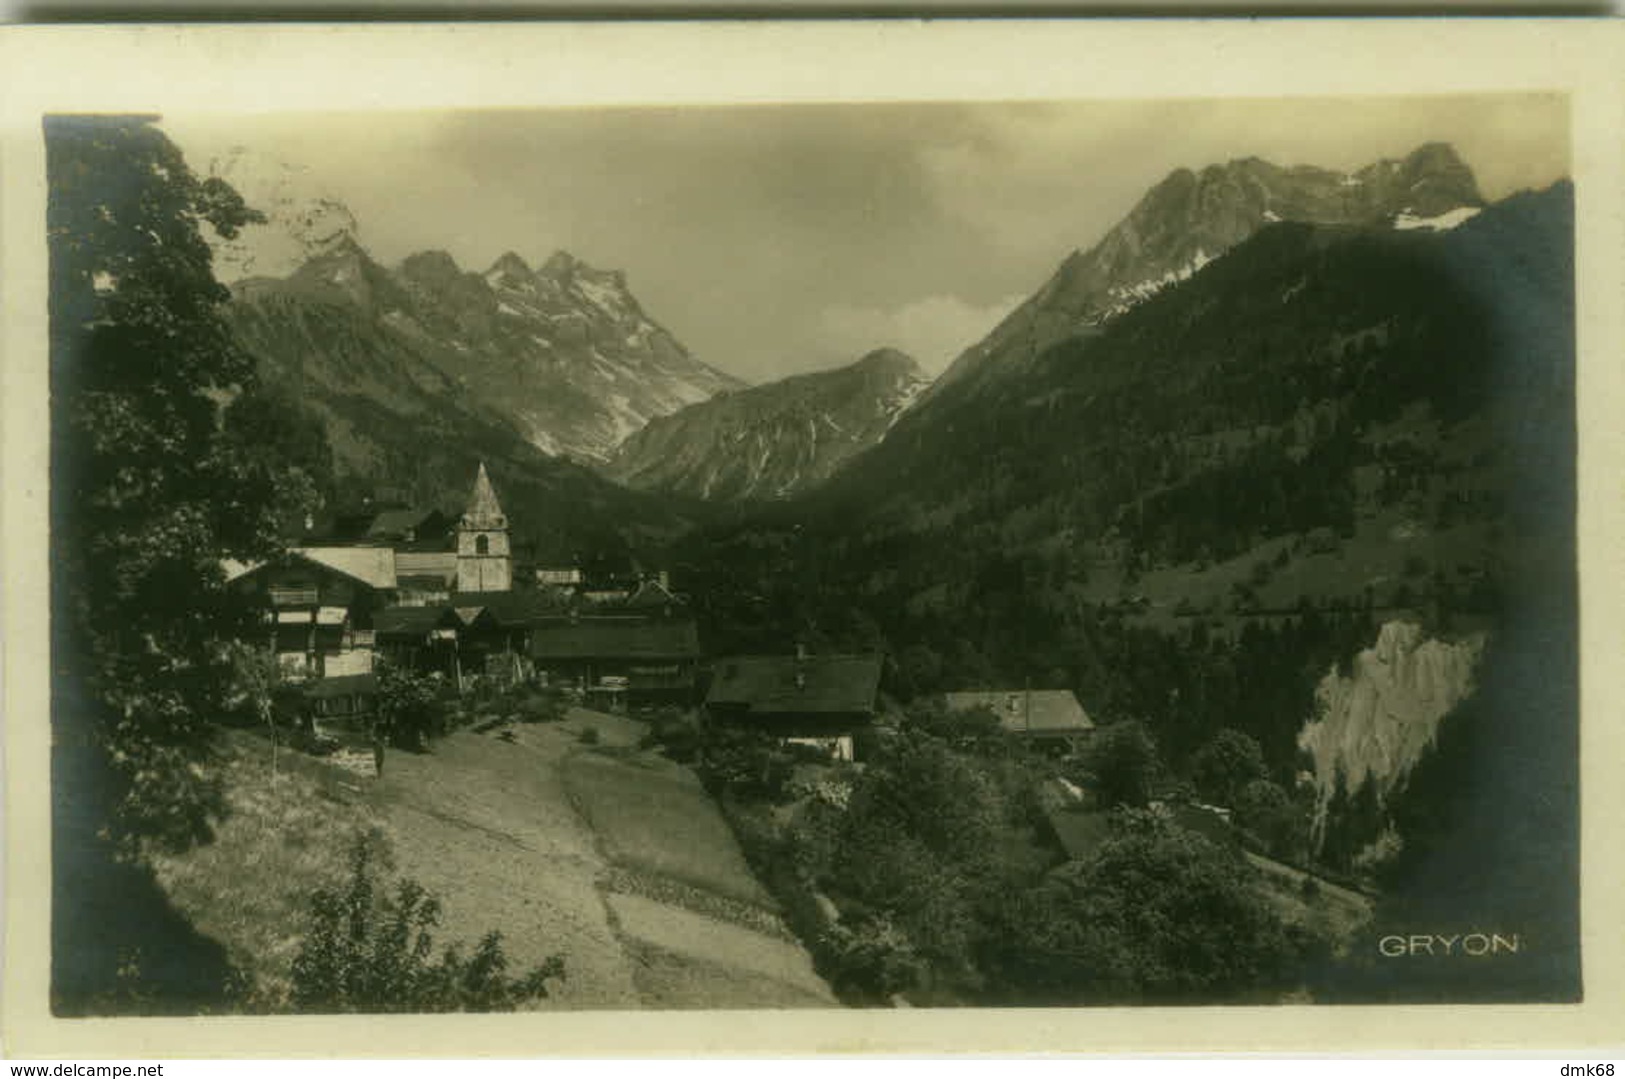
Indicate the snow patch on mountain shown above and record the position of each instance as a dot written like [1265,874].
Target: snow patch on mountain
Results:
[1437,223]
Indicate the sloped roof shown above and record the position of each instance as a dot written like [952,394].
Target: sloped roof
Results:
[395,523]
[408,621]
[617,638]
[373,566]
[1038,711]
[520,608]
[234,568]
[1081,832]
[483,509]
[767,685]
[651,595]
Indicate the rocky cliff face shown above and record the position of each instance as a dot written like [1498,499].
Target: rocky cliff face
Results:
[1191,218]
[563,352]
[775,440]
[1375,724]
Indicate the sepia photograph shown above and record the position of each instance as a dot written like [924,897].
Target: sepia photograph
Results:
[898,555]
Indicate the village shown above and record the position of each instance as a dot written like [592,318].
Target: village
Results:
[416,590]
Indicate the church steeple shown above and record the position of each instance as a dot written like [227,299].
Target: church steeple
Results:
[484,556]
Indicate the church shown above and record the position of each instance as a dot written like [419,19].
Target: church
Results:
[484,549]
[415,589]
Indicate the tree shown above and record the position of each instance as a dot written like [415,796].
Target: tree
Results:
[258,691]
[1122,764]
[1159,914]
[1225,765]
[370,952]
[143,495]
[407,707]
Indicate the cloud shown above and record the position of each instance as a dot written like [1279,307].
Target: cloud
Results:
[933,329]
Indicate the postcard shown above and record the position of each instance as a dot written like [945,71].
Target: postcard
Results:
[965,536]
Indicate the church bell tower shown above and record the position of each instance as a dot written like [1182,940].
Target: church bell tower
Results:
[484,556]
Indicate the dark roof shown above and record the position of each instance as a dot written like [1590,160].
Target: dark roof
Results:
[651,595]
[392,524]
[342,684]
[1038,711]
[614,638]
[408,621]
[768,685]
[1081,832]
[513,608]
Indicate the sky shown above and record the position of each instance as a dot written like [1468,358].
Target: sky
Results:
[777,239]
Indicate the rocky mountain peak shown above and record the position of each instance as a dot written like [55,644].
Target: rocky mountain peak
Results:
[1189,218]
[567,357]
[431,267]
[559,265]
[510,271]
[890,361]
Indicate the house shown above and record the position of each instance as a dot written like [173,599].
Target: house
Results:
[566,579]
[616,661]
[319,604]
[428,529]
[810,700]
[653,598]
[419,638]
[425,577]
[1048,718]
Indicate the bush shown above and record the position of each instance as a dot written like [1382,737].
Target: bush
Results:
[367,952]
[746,764]
[589,736]
[871,960]
[675,734]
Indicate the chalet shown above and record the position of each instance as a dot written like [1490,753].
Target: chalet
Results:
[1047,718]
[319,604]
[810,700]
[419,638]
[425,577]
[426,529]
[566,579]
[653,598]
[618,660]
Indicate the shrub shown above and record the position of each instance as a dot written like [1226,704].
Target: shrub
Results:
[589,736]
[871,960]
[369,952]
[747,764]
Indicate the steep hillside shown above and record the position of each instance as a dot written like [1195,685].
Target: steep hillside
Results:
[563,354]
[565,350]
[1191,218]
[774,440]
[1326,421]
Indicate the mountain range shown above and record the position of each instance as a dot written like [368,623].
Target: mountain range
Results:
[773,440]
[789,437]
[563,352]
[1190,218]
[388,361]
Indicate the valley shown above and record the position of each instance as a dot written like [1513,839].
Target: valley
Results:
[1267,499]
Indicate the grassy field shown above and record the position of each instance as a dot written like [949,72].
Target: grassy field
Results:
[653,816]
[287,834]
[571,844]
